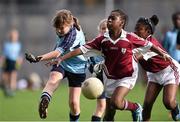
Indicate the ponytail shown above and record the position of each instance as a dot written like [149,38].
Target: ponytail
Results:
[76,24]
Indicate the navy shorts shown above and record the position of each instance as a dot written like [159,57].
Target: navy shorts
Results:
[74,80]
[9,65]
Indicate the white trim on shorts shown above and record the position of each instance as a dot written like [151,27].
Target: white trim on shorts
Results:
[169,75]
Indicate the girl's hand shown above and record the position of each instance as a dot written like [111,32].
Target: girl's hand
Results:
[138,56]
[166,57]
[50,63]
[31,58]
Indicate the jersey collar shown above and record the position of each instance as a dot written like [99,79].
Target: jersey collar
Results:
[122,36]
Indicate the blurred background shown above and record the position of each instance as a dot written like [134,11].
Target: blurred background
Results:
[32,18]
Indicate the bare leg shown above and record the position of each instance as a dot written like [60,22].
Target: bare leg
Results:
[169,96]
[51,86]
[53,82]
[100,108]
[13,80]
[74,100]
[117,99]
[169,100]
[109,112]
[152,92]
[6,76]
[5,81]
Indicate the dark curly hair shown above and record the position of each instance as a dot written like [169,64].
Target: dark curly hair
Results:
[123,16]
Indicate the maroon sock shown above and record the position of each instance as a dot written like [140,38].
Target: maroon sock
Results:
[130,106]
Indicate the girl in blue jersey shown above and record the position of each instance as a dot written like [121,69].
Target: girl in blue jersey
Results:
[169,41]
[69,37]
[11,61]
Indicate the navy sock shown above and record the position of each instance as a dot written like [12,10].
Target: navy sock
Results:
[74,117]
[176,110]
[45,94]
[95,118]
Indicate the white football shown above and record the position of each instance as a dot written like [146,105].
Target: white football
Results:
[92,88]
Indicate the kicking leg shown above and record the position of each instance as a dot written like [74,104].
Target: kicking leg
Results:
[50,87]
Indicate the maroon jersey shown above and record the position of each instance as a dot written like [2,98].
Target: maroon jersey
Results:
[155,63]
[118,54]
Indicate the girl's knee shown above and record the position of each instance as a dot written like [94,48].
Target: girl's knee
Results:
[74,105]
[169,103]
[117,104]
[53,82]
[101,104]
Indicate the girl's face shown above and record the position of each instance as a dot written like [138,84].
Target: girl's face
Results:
[14,35]
[141,30]
[103,28]
[177,22]
[63,30]
[114,22]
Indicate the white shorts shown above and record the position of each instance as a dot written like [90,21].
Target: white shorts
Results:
[169,75]
[111,84]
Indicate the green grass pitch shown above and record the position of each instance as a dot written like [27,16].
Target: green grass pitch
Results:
[24,106]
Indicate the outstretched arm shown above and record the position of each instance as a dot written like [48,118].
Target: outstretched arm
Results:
[160,52]
[71,54]
[34,59]
[93,45]
[59,59]
[50,55]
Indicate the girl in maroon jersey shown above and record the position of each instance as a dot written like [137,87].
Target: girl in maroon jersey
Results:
[120,68]
[160,73]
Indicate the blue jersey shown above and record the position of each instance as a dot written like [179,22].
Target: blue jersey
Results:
[11,50]
[75,64]
[170,43]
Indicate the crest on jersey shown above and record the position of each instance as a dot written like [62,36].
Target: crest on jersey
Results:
[123,50]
